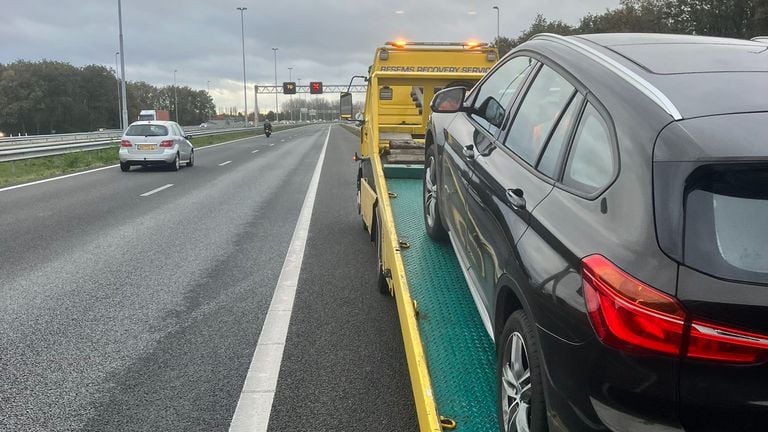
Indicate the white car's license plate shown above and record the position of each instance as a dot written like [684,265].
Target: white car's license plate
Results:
[147,147]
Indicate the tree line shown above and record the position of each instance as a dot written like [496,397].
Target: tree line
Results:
[741,19]
[56,97]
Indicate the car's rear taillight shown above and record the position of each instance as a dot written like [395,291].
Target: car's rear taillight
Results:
[628,314]
[632,316]
[714,342]
[125,143]
[166,143]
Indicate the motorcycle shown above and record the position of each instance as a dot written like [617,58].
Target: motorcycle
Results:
[267,131]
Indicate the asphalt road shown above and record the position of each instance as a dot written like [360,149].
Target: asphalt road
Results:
[127,312]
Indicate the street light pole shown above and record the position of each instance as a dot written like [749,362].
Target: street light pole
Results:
[175,97]
[208,87]
[277,110]
[498,33]
[245,87]
[119,114]
[301,98]
[290,78]
[122,64]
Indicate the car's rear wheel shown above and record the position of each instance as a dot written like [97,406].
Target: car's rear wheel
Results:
[191,161]
[125,167]
[176,164]
[520,396]
[432,220]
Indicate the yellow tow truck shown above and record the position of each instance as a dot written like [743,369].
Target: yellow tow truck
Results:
[451,359]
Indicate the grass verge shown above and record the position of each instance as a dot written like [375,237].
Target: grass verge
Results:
[28,170]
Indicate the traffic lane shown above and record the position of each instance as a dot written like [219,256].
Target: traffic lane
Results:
[343,366]
[149,322]
[95,199]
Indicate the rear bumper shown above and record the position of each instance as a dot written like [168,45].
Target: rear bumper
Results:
[134,157]
[590,387]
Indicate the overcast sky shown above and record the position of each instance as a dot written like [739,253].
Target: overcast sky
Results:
[325,41]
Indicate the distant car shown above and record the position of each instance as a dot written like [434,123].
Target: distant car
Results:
[203,125]
[155,143]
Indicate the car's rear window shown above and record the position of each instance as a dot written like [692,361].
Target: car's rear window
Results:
[147,130]
[726,222]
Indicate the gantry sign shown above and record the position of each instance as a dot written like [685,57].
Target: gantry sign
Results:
[292,88]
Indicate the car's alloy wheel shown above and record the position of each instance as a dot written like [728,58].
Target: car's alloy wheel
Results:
[430,192]
[176,164]
[516,387]
[125,167]
[432,221]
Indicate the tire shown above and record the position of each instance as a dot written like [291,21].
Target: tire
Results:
[176,164]
[125,167]
[381,280]
[519,389]
[433,221]
[191,161]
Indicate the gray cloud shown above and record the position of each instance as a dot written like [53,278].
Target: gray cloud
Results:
[322,40]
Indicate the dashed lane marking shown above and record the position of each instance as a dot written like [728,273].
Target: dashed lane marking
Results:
[154,191]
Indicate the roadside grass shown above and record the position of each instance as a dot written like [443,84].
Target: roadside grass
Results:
[28,170]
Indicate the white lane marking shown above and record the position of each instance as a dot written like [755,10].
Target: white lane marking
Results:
[154,191]
[282,140]
[271,144]
[225,163]
[115,166]
[255,151]
[255,403]
[55,178]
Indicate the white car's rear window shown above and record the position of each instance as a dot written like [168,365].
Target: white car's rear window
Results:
[147,130]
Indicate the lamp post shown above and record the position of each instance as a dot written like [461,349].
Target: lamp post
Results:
[208,87]
[245,87]
[119,115]
[277,110]
[175,97]
[122,63]
[498,33]
[302,98]
[290,78]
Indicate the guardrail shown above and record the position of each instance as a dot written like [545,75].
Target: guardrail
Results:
[74,137]
[17,151]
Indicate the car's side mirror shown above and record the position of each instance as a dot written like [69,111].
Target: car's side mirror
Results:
[448,100]
[188,137]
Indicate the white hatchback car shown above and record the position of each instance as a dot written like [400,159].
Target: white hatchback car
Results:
[155,143]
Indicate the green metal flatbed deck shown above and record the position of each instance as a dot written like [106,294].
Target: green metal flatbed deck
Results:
[459,352]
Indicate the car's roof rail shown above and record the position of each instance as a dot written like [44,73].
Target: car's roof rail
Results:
[636,80]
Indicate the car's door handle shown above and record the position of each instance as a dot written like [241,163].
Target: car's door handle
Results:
[469,151]
[515,198]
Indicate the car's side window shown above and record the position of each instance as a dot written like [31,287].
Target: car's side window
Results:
[498,91]
[546,98]
[558,142]
[591,164]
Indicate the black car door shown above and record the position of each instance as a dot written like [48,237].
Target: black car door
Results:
[509,186]
[469,135]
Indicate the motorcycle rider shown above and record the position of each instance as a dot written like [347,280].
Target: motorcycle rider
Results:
[267,127]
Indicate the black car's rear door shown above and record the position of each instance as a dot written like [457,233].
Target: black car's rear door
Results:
[469,136]
[509,187]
